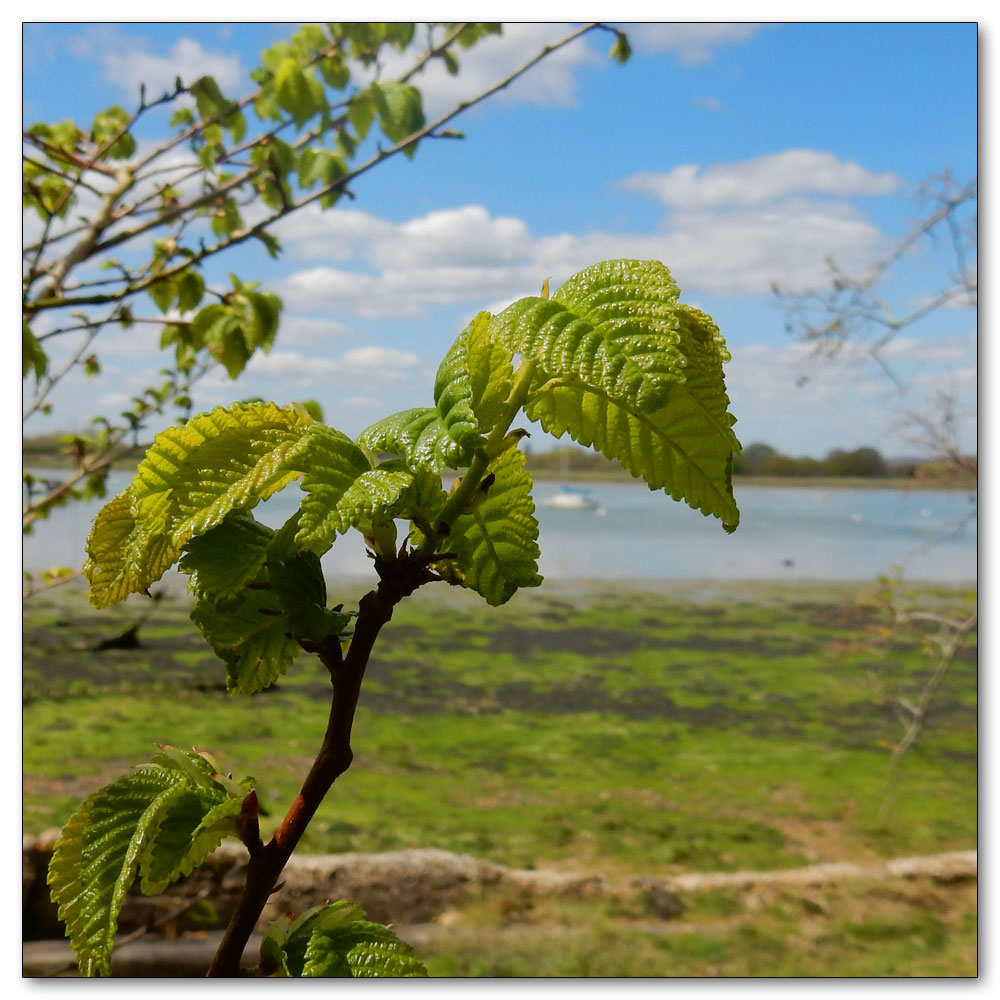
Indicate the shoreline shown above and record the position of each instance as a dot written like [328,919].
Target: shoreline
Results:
[693,590]
[40,461]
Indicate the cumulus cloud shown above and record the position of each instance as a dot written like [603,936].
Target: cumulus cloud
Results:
[129,63]
[761,180]
[327,288]
[301,331]
[466,237]
[690,43]
[553,82]
[400,292]
[731,253]
[730,229]
[333,235]
[960,349]
[386,360]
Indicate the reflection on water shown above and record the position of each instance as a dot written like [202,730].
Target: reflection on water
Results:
[785,532]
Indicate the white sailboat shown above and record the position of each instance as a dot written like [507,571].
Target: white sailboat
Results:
[572,497]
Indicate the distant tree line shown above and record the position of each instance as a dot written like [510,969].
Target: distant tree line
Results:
[757,459]
[760,459]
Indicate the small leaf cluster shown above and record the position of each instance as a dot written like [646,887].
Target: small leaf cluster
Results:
[158,824]
[336,941]
[246,320]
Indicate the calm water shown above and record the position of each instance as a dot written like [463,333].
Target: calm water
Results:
[785,532]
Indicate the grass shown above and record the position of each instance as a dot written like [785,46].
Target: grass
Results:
[894,929]
[688,727]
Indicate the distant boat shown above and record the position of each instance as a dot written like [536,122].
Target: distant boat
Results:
[572,498]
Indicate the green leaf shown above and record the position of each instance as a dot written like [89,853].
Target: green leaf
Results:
[123,557]
[331,464]
[33,358]
[108,124]
[335,72]
[312,408]
[621,51]
[470,393]
[271,244]
[190,824]
[336,941]
[163,294]
[96,857]
[301,589]
[226,219]
[159,820]
[298,91]
[423,438]
[190,289]
[274,154]
[245,322]
[361,112]
[495,543]
[265,311]
[308,40]
[685,447]
[266,105]
[256,633]
[399,34]
[346,143]
[360,950]
[473,381]
[250,635]
[44,191]
[400,109]
[222,561]
[475,31]
[320,165]
[229,459]
[213,105]
[614,325]
[625,368]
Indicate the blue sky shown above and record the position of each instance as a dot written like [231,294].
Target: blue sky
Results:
[738,154]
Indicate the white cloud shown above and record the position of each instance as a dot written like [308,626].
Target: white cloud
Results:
[374,361]
[404,292]
[841,406]
[332,235]
[300,331]
[129,63]
[740,228]
[959,349]
[327,288]
[465,237]
[761,180]
[691,43]
[553,82]
[731,253]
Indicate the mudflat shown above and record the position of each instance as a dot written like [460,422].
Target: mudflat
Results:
[615,732]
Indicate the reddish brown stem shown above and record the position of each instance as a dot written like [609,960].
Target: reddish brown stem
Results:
[399,578]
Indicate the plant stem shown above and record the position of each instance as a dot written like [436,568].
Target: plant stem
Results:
[480,464]
[399,577]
